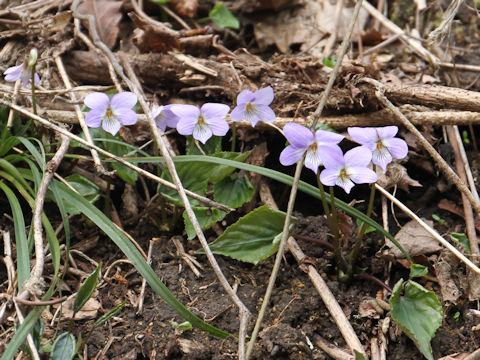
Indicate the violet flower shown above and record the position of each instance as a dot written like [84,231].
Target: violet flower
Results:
[22,72]
[111,113]
[381,141]
[202,122]
[346,170]
[253,106]
[303,140]
[164,117]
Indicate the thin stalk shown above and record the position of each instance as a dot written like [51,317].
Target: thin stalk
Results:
[326,208]
[34,98]
[361,231]
[234,136]
[342,265]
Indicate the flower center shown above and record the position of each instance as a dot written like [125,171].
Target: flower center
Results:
[201,120]
[314,147]
[343,174]
[249,107]
[379,145]
[109,112]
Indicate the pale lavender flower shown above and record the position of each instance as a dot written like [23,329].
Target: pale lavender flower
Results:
[111,113]
[303,140]
[202,122]
[164,117]
[253,106]
[346,170]
[22,72]
[381,141]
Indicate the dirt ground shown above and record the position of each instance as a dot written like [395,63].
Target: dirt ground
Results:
[256,56]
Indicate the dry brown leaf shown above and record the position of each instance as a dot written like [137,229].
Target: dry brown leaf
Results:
[185,8]
[365,309]
[153,37]
[107,17]
[87,312]
[396,174]
[414,239]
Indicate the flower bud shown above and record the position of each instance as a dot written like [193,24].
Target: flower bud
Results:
[32,58]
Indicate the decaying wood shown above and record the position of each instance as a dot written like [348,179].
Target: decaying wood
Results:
[172,72]
[377,118]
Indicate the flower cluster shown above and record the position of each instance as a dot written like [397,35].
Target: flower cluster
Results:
[377,145]
[200,122]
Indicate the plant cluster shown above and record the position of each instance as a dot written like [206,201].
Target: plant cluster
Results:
[253,237]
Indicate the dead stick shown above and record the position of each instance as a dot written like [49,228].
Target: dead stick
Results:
[433,153]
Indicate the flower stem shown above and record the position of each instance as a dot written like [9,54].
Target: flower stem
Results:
[234,136]
[326,208]
[361,231]
[341,263]
[34,98]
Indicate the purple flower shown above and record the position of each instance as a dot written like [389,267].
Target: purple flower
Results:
[346,170]
[381,141]
[111,114]
[303,140]
[202,122]
[253,106]
[164,117]
[22,72]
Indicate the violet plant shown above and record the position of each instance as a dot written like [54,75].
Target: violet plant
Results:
[255,236]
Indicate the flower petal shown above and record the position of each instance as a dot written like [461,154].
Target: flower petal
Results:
[237,113]
[397,147]
[265,113]
[290,155]
[14,70]
[214,111]
[184,111]
[94,118]
[127,116]
[359,156]
[312,160]
[26,77]
[37,79]
[124,99]
[218,126]
[323,137]
[345,183]
[263,96]
[298,135]
[382,157]
[362,175]
[202,133]
[332,157]
[386,132]
[329,177]
[186,125]
[363,135]
[111,125]
[97,100]
[244,97]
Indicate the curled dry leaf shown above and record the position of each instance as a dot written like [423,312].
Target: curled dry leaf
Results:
[87,312]
[185,8]
[107,17]
[396,174]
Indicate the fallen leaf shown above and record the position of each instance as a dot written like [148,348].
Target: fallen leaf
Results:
[87,312]
[396,174]
[414,239]
[365,309]
[184,8]
[153,37]
[107,17]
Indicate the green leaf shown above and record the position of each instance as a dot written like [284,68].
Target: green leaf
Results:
[21,333]
[104,318]
[360,356]
[329,62]
[63,347]
[418,312]
[251,238]
[132,253]
[206,218]
[85,188]
[222,17]
[160,1]
[86,290]
[438,219]
[23,253]
[462,239]
[417,270]
[368,229]
[233,191]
